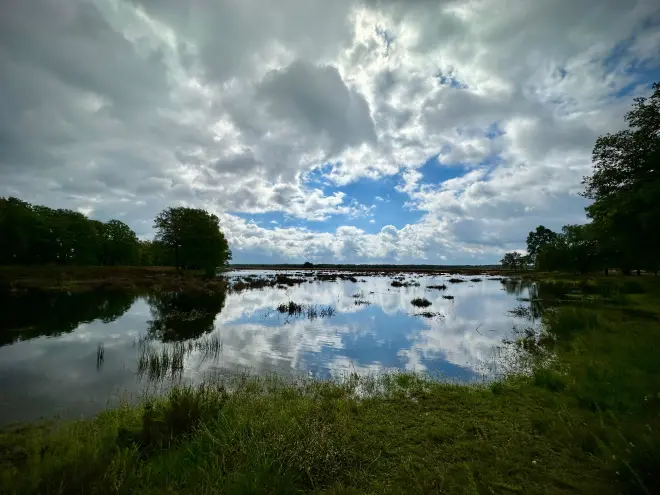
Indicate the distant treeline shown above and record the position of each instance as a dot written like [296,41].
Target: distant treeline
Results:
[39,235]
[624,228]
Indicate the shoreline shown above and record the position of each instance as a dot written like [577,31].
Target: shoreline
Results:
[89,278]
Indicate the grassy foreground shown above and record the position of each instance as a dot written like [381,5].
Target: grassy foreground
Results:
[588,422]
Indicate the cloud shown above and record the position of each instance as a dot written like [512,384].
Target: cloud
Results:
[315,99]
[124,107]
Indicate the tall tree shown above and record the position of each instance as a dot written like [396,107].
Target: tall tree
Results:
[581,248]
[538,238]
[194,236]
[625,186]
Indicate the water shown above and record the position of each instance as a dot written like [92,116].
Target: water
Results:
[49,345]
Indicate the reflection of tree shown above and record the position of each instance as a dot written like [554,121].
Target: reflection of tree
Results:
[35,313]
[549,292]
[180,315]
[517,286]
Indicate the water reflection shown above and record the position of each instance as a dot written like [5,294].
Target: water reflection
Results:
[36,313]
[74,353]
[181,316]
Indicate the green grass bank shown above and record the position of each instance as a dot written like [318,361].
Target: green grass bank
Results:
[586,420]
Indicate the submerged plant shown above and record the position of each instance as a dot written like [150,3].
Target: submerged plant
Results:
[156,364]
[311,311]
[420,302]
[428,314]
[100,355]
[521,311]
[291,308]
[397,283]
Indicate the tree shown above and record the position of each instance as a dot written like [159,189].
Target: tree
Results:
[537,239]
[625,187]
[119,244]
[513,260]
[581,249]
[34,234]
[17,220]
[194,236]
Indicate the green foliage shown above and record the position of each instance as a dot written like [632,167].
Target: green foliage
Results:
[38,235]
[537,239]
[194,236]
[119,244]
[575,249]
[625,213]
[514,261]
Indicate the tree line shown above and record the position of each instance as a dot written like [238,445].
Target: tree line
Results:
[39,235]
[624,217]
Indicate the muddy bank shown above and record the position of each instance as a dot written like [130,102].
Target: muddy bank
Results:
[85,278]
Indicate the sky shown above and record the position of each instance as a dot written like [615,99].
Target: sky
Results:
[346,131]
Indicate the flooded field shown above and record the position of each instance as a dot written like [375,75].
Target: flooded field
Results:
[73,354]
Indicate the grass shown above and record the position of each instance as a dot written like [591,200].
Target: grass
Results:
[584,421]
[454,280]
[521,311]
[310,311]
[100,355]
[420,302]
[291,308]
[448,297]
[158,363]
[437,287]
[360,299]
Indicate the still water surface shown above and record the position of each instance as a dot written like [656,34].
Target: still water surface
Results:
[49,346]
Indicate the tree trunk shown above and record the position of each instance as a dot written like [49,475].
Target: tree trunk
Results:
[607,271]
[639,273]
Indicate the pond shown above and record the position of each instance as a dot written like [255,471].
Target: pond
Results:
[74,354]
